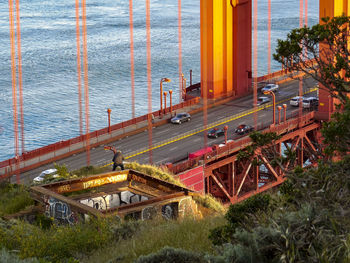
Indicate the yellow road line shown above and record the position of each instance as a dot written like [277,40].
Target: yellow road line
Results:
[249,112]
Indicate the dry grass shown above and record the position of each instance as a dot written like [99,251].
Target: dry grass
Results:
[188,234]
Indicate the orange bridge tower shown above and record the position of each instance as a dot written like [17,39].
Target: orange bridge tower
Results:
[226,47]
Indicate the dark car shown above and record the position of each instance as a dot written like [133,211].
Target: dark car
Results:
[263,100]
[243,129]
[214,133]
[180,118]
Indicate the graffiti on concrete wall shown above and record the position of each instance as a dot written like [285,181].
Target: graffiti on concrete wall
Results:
[113,200]
[59,211]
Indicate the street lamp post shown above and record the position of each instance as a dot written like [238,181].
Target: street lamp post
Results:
[279,108]
[109,120]
[273,104]
[165,93]
[225,130]
[285,112]
[184,90]
[190,77]
[171,102]
[161,94]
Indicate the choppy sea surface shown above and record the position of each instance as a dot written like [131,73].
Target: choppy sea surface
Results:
[48,42]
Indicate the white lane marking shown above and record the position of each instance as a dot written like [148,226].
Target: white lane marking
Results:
[172,149]
[166,130]
[197,139]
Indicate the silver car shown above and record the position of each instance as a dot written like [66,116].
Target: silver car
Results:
[295,101]
[46,174]
[270,87]
[180,118]
[263,100]
[310,102]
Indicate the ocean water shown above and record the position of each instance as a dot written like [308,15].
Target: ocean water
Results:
[48,42]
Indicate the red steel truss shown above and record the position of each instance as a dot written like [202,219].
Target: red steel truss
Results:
[232,179]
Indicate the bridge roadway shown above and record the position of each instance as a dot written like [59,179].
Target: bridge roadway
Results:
[172,151]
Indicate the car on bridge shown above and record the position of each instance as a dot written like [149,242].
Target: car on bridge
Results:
[295,101]
[243,129]
[215,132]
[270,87]
[310,102]
[47,174]
[181,117]
[262,100]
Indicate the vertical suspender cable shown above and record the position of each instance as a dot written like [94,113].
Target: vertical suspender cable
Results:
[301,7]
[20,83]
[306,10]
[255,50]
[149,77]
[204,89]
[13,75]
[180,50]
[132,67]
[86,82]
[269,37]
[79,66]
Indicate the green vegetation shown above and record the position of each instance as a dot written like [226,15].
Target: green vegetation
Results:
[89,170]
[189,234]
[336,133]
[327,45]
[59,242]
[101,238]
[13,198]
[307,221]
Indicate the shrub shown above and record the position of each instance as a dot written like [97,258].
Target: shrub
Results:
[172,255]
[14,198]
[235,216]
[58,243]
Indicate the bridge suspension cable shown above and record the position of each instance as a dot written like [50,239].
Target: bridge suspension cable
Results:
[79,67]
[86,82]
[14,86]
[255,57]
[149,76]
[20,83]
[132,63]
[180,51]
[269,37]
[301,8]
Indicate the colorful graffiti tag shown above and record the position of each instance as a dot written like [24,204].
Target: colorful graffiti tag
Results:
[59,211]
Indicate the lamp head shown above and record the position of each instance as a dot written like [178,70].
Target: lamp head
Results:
[166,80]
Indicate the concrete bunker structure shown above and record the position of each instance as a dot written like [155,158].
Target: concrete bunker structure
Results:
[124,194]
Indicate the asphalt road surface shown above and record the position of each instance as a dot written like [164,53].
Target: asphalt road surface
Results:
[173,151]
